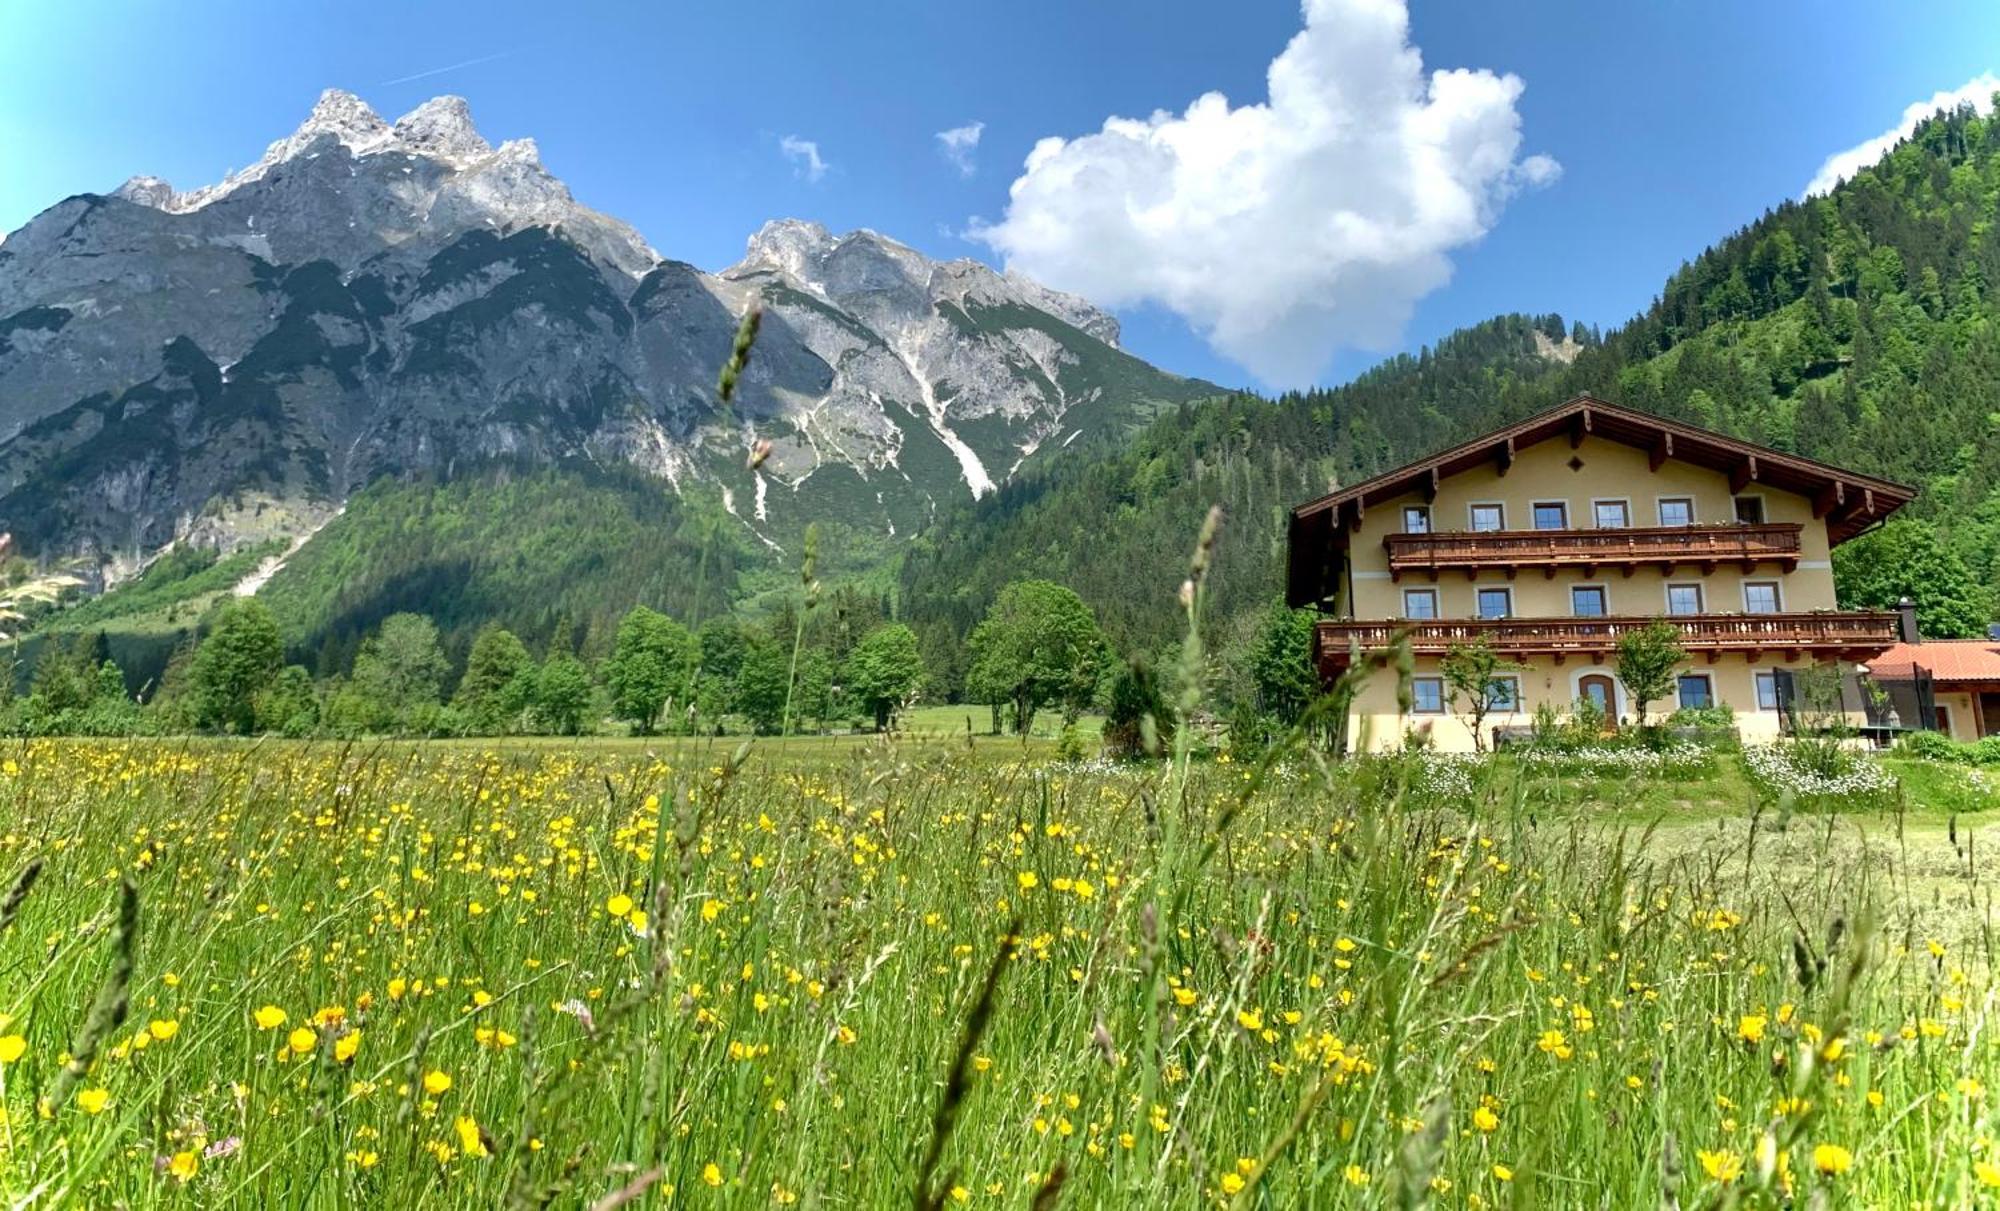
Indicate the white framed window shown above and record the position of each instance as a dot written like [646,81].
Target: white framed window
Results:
[1503,694]
[1767,691]
[1676,510]
[1696,690]
[1486,516]
[1552,515]
[1611,514]
[1420,604]
[1684,598]
[1427,695]
[1589,601]
[1761,597]
[1750,510]
[1416,519]
[1495,603]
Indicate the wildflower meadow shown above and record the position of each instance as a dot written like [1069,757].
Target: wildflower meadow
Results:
[943,974]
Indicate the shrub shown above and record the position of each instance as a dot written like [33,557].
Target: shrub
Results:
[1933,746]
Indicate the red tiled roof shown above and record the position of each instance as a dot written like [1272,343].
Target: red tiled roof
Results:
[1946,660]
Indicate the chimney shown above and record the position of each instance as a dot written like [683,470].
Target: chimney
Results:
[1908,610]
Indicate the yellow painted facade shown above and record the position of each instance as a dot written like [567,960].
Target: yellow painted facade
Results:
[1580,478]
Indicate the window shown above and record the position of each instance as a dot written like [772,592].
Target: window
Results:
[1488,517]
[1420,603]
[1612,514]
[1503,694]
[1551,515]
[1416,519]
[1427,695]
[1683,599]
[1588,601]
[1676,511]
[1750,510]
[1496,603]
[1767,691]
[1696,691]
[1760,597]
[1943,714]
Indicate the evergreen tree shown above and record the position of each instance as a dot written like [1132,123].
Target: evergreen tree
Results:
[498,682]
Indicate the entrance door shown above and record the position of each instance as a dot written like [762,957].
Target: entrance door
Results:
[1598,689]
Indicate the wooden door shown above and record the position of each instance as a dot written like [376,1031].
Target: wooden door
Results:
[1599,689]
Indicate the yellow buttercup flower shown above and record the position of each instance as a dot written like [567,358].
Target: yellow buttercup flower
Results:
[270,1017]
[1832,1159]
[12,1048]
[1724,1167]
[711,1173]
[1750,1027]
[346,1045]
[436,1082]
[301,1040]
[619,905]
[184,1165]
[93,1101]
[1485,1119]
[470,1141]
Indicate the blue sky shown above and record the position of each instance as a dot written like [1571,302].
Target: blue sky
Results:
[1673,124]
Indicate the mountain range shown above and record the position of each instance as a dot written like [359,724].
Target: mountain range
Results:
[391,367]
[228,366]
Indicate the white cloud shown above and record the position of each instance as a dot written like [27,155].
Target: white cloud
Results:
[958,145]
[1290,228]
[804,155]
[1841,165]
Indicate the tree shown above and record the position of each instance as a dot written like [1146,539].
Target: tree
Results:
[763,680]
[1906,559]
[288,705]
[1039,644]
[1472,673]
[239,656]
[1281,665]
[812,692]
[399,674]
[649,663]
[884,669]
[498,681]
[1646,663]
[563,694]
[1137,719]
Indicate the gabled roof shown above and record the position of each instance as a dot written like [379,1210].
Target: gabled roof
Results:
[1948,661]
[1850,502]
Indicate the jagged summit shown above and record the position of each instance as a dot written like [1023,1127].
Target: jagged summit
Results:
[429,174]
[867,262]
[439,129]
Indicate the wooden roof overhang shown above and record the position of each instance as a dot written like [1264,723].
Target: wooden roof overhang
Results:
[1849,502]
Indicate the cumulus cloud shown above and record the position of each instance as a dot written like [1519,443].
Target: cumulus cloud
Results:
[804,155]
[1290,228]
[1977,92]
[958,145]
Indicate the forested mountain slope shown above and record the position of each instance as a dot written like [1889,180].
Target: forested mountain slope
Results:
[1858,327]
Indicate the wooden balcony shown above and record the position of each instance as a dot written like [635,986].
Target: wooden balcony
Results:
[1826,635]
[1662,547]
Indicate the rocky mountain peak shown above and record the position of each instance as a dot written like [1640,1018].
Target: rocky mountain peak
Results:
[442,129]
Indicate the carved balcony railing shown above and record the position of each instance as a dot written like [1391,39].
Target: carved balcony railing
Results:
[1830,634]
[1662,547]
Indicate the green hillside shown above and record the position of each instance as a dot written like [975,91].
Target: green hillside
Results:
[1862,328]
